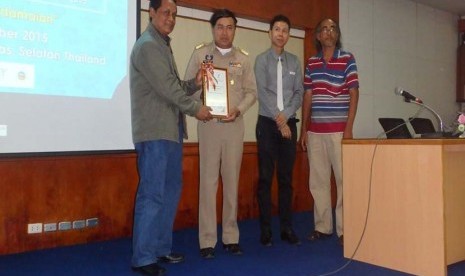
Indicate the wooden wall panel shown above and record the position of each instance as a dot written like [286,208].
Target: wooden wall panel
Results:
[461,62]
[187,215]
[460,92]
[67,188]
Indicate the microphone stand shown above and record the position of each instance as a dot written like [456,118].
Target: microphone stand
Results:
[441,132]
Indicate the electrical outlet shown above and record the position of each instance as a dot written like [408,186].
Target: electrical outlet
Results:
[78,224]
[92,222]
[34,228]
[50,227]
[64,225]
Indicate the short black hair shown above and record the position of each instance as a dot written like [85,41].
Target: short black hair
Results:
[280,18]
[221,13]
[155,4]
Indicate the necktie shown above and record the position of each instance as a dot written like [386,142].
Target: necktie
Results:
[279,82]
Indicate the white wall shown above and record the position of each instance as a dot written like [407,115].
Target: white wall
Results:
[400,43]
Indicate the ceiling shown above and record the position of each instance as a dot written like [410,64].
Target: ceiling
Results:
[453,6]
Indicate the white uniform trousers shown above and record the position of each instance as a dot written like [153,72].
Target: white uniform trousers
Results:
[220,147]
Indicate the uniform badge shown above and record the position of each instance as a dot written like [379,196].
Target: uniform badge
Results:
[235,64]
[243,51]
[199,46]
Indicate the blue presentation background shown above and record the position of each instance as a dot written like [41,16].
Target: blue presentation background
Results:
[96,29]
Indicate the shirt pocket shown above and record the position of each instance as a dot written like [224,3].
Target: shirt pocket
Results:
[235,71]
[289,77]
[235,77]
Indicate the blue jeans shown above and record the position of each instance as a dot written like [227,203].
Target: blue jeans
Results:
[160,182]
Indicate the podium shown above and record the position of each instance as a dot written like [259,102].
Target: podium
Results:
[416,221]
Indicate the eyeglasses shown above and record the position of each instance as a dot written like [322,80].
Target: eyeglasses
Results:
[327,30]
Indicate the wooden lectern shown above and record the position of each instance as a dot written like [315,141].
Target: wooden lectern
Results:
[416,189]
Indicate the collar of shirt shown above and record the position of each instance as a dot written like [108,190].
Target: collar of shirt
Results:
[276,56]
[166,38]
[336,54]
[153,30]
[224,51]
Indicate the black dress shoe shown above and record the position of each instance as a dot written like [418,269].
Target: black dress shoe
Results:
[233,248]
[207,253]
[151,269]
[265,239]
[290,237]
[317,235]
[172,258]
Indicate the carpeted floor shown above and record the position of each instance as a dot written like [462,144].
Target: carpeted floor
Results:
[113,257]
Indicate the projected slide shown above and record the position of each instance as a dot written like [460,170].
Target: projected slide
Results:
[74,48]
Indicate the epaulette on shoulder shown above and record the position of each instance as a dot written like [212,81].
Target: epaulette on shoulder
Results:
[243,51]
[200,46]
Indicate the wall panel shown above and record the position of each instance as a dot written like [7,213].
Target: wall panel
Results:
[72,187]
[68,188]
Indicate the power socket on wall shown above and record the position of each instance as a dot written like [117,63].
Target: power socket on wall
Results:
[92,222]
[79,224]
[34,228]
[64,225]
[50,227]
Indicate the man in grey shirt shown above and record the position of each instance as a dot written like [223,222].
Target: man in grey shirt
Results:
[279,83]
[158,101]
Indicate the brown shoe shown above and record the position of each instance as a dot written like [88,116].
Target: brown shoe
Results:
[317,235]
[207,253]
[233,248]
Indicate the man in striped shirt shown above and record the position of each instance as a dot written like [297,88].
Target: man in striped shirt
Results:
[328,113]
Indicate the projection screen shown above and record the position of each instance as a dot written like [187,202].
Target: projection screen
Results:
[64,75]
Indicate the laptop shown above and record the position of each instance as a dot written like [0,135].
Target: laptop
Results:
[395,128]
[422,125]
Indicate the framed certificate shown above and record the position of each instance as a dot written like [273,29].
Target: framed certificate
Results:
[215,92]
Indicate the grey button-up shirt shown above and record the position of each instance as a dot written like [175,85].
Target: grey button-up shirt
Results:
[265,74]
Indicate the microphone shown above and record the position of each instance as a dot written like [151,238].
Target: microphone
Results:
[412,99]
[407,96]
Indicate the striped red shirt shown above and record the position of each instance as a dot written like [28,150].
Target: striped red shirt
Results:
[330,83]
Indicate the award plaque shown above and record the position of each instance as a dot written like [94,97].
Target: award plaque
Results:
[215,91]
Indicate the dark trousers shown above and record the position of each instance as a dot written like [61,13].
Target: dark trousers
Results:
[274,150]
